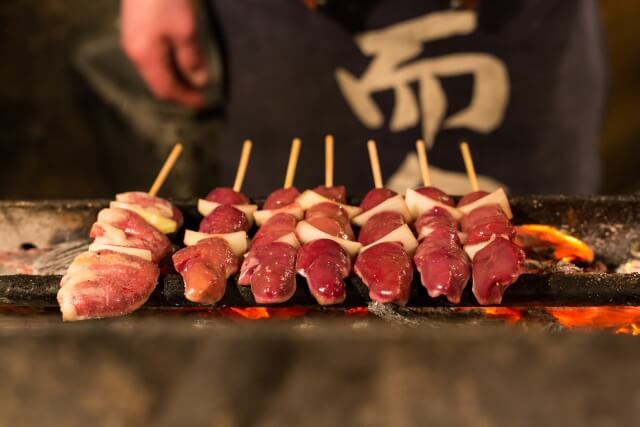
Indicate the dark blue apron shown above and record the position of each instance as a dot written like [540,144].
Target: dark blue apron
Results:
[524,84]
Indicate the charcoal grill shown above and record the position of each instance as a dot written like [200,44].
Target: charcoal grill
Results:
[609,224]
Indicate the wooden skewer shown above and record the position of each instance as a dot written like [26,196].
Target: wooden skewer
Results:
[421,149]
[242,165]
[468,164]
[375,163]
[293,162]
[166,168]
[328,161]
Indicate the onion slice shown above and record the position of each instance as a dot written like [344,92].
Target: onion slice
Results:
[161,223]
[141,253]
[426,231]
[498,197]
[308,233]
[392,204]
[290,239]
[402,235]
[419,204]
[310,198]
[264,215]
[237,241]
[472,250]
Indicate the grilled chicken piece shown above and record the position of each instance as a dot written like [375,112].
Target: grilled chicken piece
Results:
[205,268]
[105,284]
[385,268]
[387,271]
[497,260]
[120,227]
[269,267]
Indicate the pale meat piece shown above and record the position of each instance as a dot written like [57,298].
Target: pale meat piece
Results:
[436,194]
[205,268]
[379,226]
[330,218]
[325,265]
[121,227]
[227,196]
[276,227]
[376,196]
[273,279]
[337,193]
[105,284]
[387,271]
[224,219]
[486,221]
[495,268]
[281,198]
[152,204]
[436,217]
[472,197]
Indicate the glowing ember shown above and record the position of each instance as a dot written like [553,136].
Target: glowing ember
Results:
[565,247]
[631,329]
[282,313]
[252,313]
[508,314]
[357,311]
[622,319]
[258,313]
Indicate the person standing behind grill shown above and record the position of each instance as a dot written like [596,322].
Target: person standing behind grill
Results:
[524,82]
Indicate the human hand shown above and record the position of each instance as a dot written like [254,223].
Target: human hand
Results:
[160,37]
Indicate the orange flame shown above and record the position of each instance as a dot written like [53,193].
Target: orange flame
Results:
[632,329]
[283,313]
[624,320]
[508,314]
[565,247]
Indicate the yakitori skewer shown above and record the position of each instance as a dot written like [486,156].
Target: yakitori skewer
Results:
[242,165]
[120,270]
[214,252]
[284,199]
[230,196]
[293,163]
[490,238]
[269,267]
[421,149]
[468,164]
[325,258]
[384,263]
[166,169]
[443,265]
[328,161]
[374,160]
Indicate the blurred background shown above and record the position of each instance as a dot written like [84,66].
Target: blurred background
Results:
[57,140]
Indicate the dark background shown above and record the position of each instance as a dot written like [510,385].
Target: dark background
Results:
[54,140]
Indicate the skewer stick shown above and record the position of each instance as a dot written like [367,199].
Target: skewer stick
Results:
[328,161]
[468,164]
[166,169]
[422,161]
[375,163]
[242,165]
[293,163]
